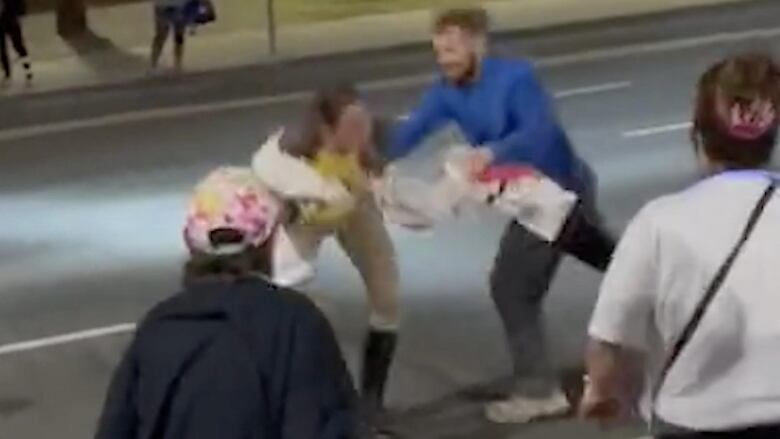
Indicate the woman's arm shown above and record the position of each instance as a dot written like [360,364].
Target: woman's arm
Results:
[622,321]
[603,400]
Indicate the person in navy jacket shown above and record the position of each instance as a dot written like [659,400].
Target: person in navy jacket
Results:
[232,355]
[505,113]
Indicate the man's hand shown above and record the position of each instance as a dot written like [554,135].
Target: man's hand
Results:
[479,160]
[377,186]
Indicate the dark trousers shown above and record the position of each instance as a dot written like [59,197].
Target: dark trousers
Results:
[10,29]
[584,238]
[768,432]
[521,277]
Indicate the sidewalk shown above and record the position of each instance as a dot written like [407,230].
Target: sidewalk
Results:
[118,51]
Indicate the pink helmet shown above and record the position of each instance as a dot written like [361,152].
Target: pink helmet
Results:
[233,199]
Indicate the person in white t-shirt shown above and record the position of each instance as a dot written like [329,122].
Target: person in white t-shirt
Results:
[725,382]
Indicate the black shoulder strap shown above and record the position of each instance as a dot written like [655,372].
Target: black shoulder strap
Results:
[687,334]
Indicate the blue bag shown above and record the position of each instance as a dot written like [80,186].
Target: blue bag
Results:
[200,12]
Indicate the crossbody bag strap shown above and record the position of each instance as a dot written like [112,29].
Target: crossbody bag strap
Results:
[690,329]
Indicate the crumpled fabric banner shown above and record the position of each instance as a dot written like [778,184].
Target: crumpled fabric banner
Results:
[520,192]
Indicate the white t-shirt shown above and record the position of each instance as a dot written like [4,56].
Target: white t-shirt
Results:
[729,374]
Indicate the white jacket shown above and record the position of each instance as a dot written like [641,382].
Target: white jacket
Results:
[293,179]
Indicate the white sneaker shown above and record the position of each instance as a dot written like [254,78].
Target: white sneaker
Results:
[521,409]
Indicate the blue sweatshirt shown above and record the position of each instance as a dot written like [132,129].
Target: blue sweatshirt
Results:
[507,110]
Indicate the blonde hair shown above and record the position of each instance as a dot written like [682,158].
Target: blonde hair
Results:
[474,20]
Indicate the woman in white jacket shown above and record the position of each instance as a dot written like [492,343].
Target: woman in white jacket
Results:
[325,171]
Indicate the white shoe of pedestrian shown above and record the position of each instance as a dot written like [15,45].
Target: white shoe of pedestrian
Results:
[522,409]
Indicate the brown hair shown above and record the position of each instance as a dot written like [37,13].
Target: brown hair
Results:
[325,110]
[736,81]
[473,20]
[248,263]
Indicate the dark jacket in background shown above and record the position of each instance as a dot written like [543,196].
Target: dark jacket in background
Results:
[230,360]
[13,8]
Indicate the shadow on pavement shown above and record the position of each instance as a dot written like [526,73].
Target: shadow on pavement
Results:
[12,250]
[11,406]
[461,416]
[103,56]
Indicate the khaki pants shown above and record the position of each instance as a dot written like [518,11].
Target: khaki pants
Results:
[365,240]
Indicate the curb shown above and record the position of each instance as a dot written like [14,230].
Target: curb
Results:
[595,33]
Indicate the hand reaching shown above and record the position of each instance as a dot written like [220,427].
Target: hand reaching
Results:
[478,161]
[598,406]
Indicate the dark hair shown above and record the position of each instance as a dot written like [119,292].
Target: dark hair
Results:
[325,110]
[473,20]
[737,80]
[250,262]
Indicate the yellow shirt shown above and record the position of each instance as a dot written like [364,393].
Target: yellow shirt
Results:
[345,168]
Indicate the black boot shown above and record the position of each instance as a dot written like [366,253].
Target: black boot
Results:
[377,357]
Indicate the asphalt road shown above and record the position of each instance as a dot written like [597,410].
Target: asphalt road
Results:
[91,218]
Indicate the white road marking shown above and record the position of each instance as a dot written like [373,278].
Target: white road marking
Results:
[594,89]
[190,110]
[389,84]
[398,83]
[63,339]
[581,91]
[660,46]
[145,115]
[662,129]
[409,81]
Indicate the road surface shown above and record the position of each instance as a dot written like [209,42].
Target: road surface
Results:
[92,206]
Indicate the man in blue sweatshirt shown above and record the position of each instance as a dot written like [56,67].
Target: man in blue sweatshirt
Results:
[505,113]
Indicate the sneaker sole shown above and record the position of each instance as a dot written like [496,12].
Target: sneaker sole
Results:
[559,412]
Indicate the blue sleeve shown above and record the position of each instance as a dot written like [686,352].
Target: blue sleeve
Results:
[429,115]
[534,120]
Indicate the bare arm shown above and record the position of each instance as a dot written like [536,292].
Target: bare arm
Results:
[621,324]
[605,363]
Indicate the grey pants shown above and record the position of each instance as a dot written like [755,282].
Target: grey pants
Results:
[522,274]
[523,270]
